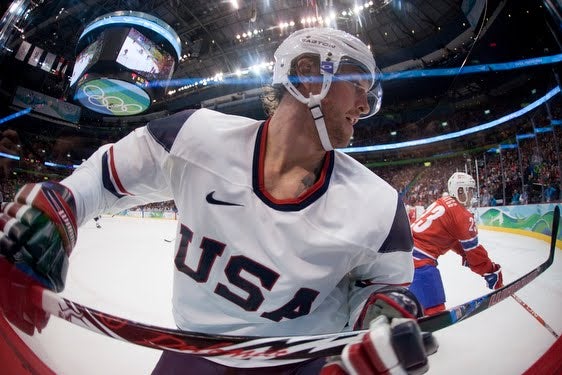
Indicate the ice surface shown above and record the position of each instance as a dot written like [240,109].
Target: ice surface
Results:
[125,268]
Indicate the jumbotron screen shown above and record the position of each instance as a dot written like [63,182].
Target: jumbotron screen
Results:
[141,54]
[125,62]
[86,58]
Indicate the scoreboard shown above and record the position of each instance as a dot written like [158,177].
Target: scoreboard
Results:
[124,61]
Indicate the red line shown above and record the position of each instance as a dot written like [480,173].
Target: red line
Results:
[114,173]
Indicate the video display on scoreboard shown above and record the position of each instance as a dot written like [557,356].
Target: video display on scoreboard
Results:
[122,95]
[85,59]
[142,55]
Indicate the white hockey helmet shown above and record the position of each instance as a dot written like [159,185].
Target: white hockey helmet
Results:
[461,180]
[334,48]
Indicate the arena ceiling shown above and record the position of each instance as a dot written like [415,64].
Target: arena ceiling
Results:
[397,30]
[220,36]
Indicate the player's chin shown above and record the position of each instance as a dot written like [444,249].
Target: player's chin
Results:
[341,140]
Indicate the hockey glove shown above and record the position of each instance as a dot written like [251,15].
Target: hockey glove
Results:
[38,232]
[16,301]
[394,343]
[494,279]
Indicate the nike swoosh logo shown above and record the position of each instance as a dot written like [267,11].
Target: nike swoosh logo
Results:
[212,200]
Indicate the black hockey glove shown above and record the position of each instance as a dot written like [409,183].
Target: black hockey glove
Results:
[394,342]
[38,232]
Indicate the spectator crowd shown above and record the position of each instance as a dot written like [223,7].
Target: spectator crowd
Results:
[516,171]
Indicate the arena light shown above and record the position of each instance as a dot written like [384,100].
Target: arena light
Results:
[9,156]
[458,134]
[426,73]
[473,69]
[15,115]
[57,165]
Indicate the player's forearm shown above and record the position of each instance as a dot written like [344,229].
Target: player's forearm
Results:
[478,261]
[87,186]
[120,176]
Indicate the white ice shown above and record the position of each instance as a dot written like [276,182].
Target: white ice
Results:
[125,269]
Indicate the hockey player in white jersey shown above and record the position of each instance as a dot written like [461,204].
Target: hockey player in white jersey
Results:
[97,221]
[278,233]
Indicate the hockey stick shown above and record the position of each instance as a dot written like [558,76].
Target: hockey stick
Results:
[265,348]
[535,315]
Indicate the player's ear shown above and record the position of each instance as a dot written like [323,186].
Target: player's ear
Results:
[307,70]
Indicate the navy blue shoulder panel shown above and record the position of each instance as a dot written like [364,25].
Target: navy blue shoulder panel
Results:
[400,235]
[165,130]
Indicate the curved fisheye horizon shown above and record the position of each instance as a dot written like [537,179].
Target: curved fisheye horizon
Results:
[279,168]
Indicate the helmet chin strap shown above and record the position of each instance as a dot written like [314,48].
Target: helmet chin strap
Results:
[318,116]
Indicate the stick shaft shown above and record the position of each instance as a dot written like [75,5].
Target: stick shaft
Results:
[535,315]
[269,348]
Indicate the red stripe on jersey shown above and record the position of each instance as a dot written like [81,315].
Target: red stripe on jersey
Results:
[310,191]
[114,174]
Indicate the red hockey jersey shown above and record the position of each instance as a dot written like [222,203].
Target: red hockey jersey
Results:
[448,225]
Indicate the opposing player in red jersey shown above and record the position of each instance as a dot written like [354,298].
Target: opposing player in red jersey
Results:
[448,225]
[411,210]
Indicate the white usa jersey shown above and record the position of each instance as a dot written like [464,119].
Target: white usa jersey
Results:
[245,262]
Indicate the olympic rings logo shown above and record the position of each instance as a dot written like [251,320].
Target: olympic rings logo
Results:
[96,96]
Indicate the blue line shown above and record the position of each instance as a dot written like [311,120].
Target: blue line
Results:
[9,156]
[15,115]
[461,133]
[231,79]
[56,165]
[483,68]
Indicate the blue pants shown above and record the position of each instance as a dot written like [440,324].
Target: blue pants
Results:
[428,286]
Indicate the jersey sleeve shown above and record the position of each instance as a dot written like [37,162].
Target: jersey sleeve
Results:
[393,266]
[130,172]
[468,246]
